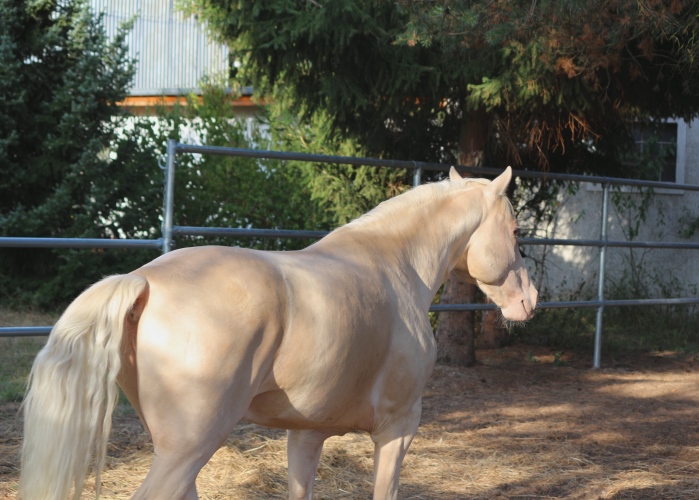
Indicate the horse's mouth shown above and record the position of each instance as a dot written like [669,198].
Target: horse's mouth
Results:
[519,312]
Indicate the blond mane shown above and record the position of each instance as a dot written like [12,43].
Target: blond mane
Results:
[415,197]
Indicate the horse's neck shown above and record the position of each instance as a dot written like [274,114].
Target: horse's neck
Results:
[440,235]
[423,234]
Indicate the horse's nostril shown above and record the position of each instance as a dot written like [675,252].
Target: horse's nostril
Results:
[529,312]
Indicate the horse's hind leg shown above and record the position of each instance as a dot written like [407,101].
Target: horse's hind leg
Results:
[182,446]
[189,415]
[171,476]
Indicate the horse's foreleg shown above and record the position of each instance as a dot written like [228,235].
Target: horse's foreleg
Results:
[303,452]
[390,446]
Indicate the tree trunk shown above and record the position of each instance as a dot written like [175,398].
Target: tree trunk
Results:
[493,334]
[456,333]
[455,330]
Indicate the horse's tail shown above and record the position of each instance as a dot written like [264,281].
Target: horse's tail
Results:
[73,391]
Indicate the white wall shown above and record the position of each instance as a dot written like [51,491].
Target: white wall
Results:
[567,269]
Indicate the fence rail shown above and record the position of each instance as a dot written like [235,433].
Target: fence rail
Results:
[78,243]
[169,230]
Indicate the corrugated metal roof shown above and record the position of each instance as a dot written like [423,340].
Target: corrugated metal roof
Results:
[174,53]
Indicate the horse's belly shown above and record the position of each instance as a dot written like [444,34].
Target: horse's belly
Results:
[280,410]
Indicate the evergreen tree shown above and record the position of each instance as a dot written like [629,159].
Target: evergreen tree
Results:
[339,59]
[74,164]
[562,82]
[225,191]
[60,81]
[340,192]
[541,84]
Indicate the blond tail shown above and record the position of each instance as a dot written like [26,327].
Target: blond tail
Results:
[73,391]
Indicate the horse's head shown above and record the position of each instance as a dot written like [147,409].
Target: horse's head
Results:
[492,259]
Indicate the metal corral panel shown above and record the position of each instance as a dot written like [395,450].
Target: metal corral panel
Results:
[174,53]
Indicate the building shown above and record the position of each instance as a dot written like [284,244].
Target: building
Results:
[570,272]
[174,52]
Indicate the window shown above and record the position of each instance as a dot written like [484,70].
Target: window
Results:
[661,150]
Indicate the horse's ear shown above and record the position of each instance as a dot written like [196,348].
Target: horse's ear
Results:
[500,183]
[454,175]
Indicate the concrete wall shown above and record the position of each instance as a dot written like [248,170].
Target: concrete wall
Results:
[569,273]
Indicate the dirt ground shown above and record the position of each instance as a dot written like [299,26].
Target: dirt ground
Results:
[515,426]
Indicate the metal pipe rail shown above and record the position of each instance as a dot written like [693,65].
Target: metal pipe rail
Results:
[37,331]
[418,167]
[411,165]
[247,232]
[12,242]
[25,331]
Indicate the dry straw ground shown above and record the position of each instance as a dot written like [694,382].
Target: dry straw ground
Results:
[513,427]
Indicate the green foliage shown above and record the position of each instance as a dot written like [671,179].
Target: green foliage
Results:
[210,191]
[223,191]
[61,80]
[567,74]
[16,358]
[339,60]
[559,80]
[625,329]
[341,192]
[655,327]
[17,354]
[689,225]
[73,165]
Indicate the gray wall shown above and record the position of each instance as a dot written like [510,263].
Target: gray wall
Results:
[174,52]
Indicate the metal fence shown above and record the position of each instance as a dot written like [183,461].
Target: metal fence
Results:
[169,230]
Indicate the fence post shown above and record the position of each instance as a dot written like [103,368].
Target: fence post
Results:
[169,194]
[600,283]
[417,176]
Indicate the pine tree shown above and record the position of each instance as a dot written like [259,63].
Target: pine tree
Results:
[553,83]
[562,81]
[60,81]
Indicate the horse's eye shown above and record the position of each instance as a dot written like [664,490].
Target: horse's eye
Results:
[516,232]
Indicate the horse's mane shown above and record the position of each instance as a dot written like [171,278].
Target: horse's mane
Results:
[415,197]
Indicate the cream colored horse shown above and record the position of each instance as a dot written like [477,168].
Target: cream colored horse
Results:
[322,341]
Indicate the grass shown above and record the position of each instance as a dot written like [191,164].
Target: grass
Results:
[17,353]
[16,358]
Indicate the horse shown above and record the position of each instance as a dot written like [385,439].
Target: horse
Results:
[322,341]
